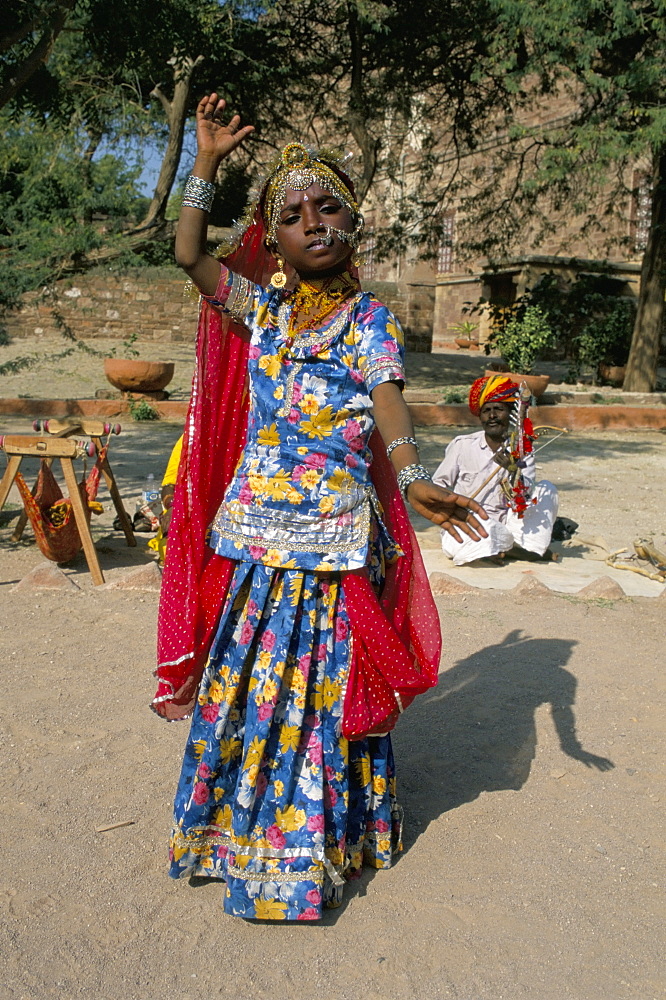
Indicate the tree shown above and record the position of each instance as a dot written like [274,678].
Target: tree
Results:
[45,208]
[27,38]
[607,58]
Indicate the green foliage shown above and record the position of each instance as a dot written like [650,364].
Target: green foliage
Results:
[455,394]
[126,349]
[592,322]
[522,338]
[606,338]
[465,329]
[28,361]
[140,409]
[48,216]
[602,400]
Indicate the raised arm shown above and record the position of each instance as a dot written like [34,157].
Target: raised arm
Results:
[451,512]
[215,142]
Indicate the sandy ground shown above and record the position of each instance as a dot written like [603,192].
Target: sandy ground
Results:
[532,780]
[533,784]
[78,374]
[57,370]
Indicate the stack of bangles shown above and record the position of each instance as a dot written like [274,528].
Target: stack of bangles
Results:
[410,473]
[198,193]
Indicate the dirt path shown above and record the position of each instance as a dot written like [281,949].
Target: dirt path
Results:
[533,868]
[530,870]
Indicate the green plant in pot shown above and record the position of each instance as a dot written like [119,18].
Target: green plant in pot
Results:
[520,341]
[604,341]
[466,333]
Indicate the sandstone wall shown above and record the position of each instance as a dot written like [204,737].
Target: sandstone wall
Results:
[100,303]
[152,304]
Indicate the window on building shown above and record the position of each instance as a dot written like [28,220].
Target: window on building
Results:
[641,210]
[446,256]
[368,270]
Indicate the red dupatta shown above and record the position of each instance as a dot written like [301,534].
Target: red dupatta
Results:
[196,579]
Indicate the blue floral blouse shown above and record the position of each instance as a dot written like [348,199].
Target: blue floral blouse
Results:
[301,496]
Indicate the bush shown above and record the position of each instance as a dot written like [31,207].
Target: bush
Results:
[520,341]
[140,409]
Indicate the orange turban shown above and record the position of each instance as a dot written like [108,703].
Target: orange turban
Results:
[492,387]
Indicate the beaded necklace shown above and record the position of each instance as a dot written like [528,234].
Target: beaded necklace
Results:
[318,299]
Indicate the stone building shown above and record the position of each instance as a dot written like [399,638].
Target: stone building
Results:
[433,297]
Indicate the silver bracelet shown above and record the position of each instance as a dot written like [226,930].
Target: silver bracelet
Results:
[409,475]
[399,441]
[198,193]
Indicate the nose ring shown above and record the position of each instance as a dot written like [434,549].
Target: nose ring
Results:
[327,239]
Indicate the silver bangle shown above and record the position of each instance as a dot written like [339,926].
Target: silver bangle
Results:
[198,193]
[399,441]
[409,475]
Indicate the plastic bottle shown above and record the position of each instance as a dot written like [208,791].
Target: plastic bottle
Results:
[150,495]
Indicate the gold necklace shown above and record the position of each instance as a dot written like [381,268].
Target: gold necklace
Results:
[317,299]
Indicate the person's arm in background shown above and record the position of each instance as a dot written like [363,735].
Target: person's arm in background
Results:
[169,485]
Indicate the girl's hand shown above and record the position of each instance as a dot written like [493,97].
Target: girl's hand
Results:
[450,511]
[214,138]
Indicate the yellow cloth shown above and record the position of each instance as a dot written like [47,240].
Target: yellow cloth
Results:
[171,474]
[158,543]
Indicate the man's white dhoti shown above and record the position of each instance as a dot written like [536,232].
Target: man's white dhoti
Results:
[467,464]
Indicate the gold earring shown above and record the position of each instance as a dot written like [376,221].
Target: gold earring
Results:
[358,260]
[279,279]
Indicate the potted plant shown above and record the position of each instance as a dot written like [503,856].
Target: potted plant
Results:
[465,334]
[603,342]
[519,341]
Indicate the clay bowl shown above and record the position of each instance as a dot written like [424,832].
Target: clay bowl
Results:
[537,384]
[132,375]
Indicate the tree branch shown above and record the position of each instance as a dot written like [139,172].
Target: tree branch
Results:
[39,54]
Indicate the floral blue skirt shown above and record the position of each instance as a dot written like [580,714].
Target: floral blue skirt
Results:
[272,799]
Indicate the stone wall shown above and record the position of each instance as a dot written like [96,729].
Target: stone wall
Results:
[148,302]
[414,305]
[151,303]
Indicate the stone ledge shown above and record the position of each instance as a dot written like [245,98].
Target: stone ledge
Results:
[592,417]
[428,414]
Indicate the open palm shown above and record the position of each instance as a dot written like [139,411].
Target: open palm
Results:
[453,513]
[214,137]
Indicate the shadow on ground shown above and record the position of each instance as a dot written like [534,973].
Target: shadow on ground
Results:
[476,732]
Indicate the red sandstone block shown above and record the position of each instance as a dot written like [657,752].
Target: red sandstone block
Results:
[46,576]
[146,577]
[603,587]
[442,583]
[529,585]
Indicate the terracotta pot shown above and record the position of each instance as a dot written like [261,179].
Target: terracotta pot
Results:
[612,374]
[537,384]
[463,342]
[132,375]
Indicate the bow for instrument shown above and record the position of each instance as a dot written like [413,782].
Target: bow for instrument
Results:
[548,427]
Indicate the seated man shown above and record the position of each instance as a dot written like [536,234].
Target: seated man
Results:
[521,512]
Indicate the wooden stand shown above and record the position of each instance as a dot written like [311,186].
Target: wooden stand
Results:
[94,430]
[17,447]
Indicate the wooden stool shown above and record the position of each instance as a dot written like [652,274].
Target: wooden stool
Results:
[94,429]
[17,447]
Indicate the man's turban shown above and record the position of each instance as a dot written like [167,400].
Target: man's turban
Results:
[496,388]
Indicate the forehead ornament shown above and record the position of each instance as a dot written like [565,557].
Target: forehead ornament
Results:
[297,168]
